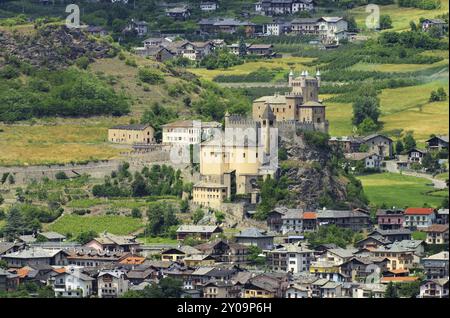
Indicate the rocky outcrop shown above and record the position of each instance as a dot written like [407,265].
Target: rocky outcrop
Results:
[311,176]
[53,46]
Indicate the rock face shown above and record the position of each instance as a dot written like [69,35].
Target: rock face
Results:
[310,175]
[53,47]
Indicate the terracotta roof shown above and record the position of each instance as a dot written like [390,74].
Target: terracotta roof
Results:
[401,279]
[419,211]
[133,260]
[23,272]
[59,270]
[309,215]
[440,228]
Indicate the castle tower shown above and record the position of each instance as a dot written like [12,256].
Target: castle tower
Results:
[268,121]
[291,77]
[227,118]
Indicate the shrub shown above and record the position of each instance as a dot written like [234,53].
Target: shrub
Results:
[150,76]
[61,175]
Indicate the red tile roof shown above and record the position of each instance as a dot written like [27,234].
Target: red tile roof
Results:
[309,215]
[419,211]
[133,260]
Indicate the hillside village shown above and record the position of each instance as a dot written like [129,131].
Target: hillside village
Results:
[218,192]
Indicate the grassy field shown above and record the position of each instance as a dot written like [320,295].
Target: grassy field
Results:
[404,108]
[442,176]
[74,224]
[400,16]
[408,108]
[285,63]
[398,190]
[57,141]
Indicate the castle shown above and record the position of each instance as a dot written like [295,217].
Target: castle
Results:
[231,163]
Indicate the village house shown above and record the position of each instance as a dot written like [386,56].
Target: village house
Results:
[209,194]
[112,284]
[441,217]
[438,24]
[217,289]
[365,159]
[196,260]
[372,242]
[89,257]
[379,144]
[188,132]
[331,290]
[178,13]
[276,28]
[305,26]
[291,258]
[34,273]
[332,29]
[266,286]
[282,7]
[96,30]
[35,256]
[111,242]
[140,27]
[10,247]
[225,252]
[354,220]
[132,134]
[436,265]
[8,281]
[346,144]
[399,258]
[226,25]
[437,234]
[255,237]
[416,246]
[261,50]
[437,143]
[393,235]
[159,53]
[369,291]
[434,288]
[202,232]
[390,219]
[416,155]
[364,268]
[51,237]
[209,6]
[72,283]
[178,254]
[419,218]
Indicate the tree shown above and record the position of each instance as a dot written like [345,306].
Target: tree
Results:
[399,147]
[15,223]
[242,47]
[367,126]
[61,175]
[385,22]
[150,76]
[184,206]
[409,141]
[391,291]
[160,218]
[1,199]
[254,257]
[136,213]
[86,236]
[198,215]
[366,105]
[409,289]
[413,26]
